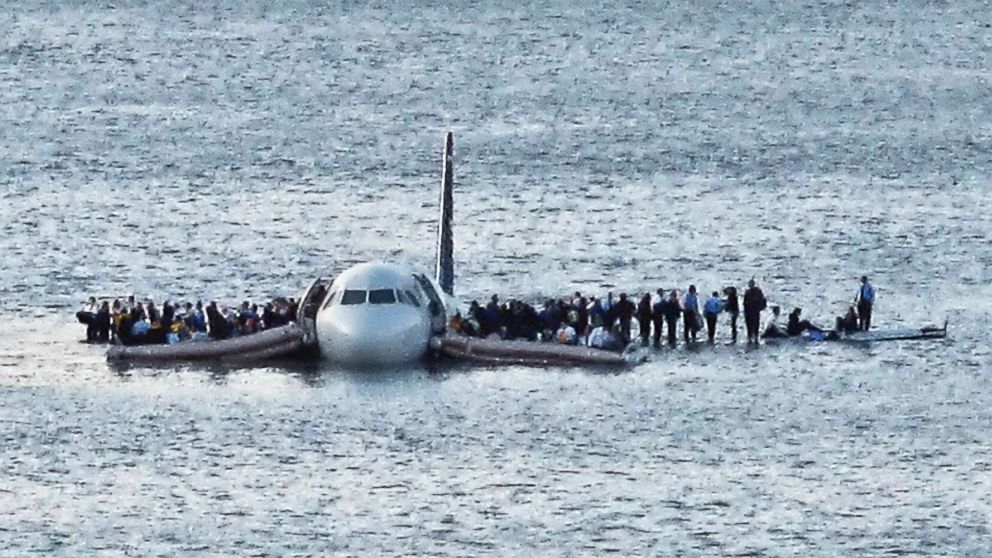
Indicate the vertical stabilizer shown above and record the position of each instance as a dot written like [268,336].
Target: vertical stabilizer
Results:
[445,272]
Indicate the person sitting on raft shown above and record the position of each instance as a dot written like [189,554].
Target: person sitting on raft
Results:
[565,335]
[848,323]
[796,326]
[772,329]
[140,328]
[602,338]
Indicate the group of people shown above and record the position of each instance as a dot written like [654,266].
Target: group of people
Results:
[132,322]
[607,322]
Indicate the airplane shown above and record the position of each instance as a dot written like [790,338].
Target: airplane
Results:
[385,314]
[378,314]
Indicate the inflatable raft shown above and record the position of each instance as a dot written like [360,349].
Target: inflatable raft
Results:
[277,342]
[523,352]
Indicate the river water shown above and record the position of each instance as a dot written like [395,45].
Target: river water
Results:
[236,151]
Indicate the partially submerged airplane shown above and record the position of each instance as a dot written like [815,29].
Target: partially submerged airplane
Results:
[376,314]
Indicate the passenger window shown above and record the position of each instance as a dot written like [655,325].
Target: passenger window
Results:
[353,297]
[382,296]
[412,298]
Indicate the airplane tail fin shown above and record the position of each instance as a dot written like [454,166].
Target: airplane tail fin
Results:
[445,270]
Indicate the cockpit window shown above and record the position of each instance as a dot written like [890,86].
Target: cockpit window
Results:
[353,297]
[412,298]
[382,296]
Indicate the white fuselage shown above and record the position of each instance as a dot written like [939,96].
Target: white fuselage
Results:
[376,314]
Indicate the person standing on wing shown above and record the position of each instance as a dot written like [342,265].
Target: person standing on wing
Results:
[690,314]
[732,307]
[866,299]
[754,303]
[713,307]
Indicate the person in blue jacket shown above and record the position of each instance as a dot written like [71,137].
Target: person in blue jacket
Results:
[714,305]
[866,299]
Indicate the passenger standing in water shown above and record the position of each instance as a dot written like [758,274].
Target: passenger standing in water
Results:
[866,299]
[754,303]
[732,306]
[644,318]
[713,307]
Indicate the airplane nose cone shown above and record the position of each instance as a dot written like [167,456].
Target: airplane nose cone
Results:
[374,342]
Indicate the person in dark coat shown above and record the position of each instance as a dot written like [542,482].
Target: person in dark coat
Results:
[218,325]
[672,311]
[625,310]
[732,307]
[754,303]
[796,325]
[87,317]
[644,318]
[102,322]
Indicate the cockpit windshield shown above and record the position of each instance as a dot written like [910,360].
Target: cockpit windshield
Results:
[353,297]
[382,296]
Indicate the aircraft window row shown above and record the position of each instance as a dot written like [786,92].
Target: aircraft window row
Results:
[376,296]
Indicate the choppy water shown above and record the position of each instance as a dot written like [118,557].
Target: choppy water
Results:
[238,150]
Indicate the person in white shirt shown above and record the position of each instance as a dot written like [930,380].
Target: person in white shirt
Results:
[597,337]
[865,300]
[603,338]
[87,316]
[772,328]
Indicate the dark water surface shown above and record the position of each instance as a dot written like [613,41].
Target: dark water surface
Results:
[236,151]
